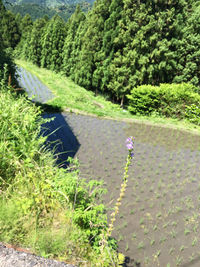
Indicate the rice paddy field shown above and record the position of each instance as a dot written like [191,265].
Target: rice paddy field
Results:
[159,219]
[35,89]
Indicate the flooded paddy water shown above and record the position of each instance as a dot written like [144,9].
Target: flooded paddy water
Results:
[34,88]
[159,220]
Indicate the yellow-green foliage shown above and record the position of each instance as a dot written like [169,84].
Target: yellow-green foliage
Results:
[168,100]
[18,139]
[192,113]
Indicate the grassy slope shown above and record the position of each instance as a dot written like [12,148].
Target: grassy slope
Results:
[41,207]
[71,97]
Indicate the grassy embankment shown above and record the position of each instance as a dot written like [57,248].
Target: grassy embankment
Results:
[71,97]
[43,207]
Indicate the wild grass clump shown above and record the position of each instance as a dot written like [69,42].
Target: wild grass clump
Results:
[46,208]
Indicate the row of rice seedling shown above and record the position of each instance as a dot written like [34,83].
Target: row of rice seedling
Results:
[37,91]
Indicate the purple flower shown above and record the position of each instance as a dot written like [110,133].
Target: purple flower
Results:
[129,145]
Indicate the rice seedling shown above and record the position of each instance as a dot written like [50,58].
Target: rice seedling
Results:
[127,247]
[192,257]
[178,260]
[173,234]
[171,251]
[186,231]
[155,227]
[194,242]
[140,245]
[162,240]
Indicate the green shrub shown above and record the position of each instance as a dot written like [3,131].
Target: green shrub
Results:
[168,100]
[192,113]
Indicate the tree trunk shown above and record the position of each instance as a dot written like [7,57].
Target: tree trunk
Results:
[122,102]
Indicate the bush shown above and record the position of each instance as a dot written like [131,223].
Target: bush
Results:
[192,113]
[168,100]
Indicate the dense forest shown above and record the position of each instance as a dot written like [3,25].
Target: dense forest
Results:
[117,46]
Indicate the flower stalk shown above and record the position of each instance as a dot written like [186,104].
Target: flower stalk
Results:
[130,146]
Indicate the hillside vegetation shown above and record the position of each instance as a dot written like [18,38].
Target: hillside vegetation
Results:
[73,98]
[116,47]
[119,45]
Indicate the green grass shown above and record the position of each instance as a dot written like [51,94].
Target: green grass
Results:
[71,97]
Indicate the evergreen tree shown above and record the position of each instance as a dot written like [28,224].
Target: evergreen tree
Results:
[71,41]
[35,44]
[8,28]
[92,40]
[2,12]
[5,54]
[189,51]
[25,27]
[26,24]
[151,33]
[75,54]
[107,73]
[52,44]
[18,19]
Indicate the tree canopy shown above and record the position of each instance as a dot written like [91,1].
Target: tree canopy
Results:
[8,40]
[119,44]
